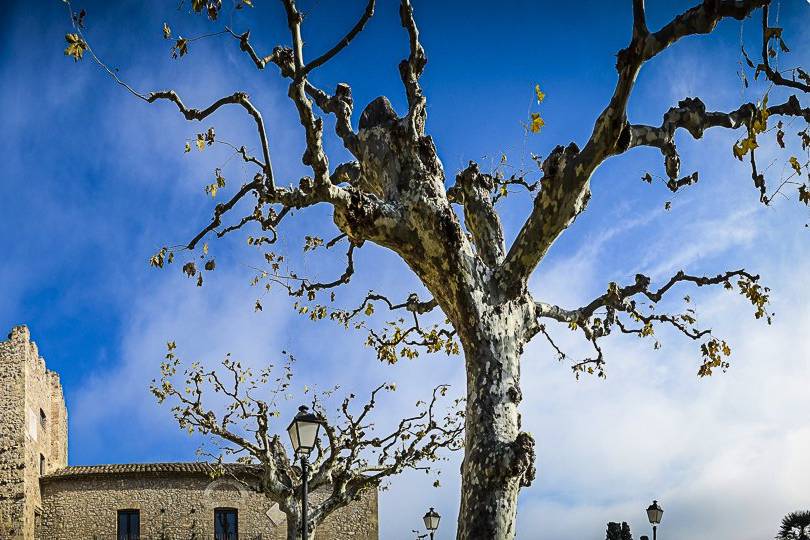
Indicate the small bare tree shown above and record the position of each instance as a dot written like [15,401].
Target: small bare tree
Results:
[350,457]
[393,191]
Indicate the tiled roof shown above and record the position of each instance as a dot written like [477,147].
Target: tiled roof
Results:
[182,468]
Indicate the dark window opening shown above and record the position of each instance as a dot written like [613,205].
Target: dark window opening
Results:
[226,524]
[129,525]
[42,418]
[41,465]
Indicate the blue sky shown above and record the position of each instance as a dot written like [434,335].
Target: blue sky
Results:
[96,181]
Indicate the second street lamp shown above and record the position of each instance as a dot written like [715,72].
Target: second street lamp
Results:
[303,432]
[654,514]
[431,519]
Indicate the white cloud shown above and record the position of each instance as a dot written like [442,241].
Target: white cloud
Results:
[722,454]
[727,457]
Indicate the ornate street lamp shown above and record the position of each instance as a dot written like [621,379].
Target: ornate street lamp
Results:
[431,519]
[303,432]
[654,514]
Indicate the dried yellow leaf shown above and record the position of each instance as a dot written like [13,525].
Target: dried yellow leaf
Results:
[536,123]
[75,46]
[540,95]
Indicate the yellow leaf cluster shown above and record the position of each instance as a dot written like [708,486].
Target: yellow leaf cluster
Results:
[219,183]
[759,123]
[795,164]
[535,120]
[540,95]
[180,47]
[311,243]
[163,256]
[536,123]
[743,146]
[75,46]
[714,353]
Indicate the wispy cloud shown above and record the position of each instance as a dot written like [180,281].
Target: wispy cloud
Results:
[107,183]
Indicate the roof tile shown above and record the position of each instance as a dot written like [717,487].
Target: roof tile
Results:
[190,467]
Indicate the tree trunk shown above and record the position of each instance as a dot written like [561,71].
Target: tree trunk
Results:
[294,528]
[499,458]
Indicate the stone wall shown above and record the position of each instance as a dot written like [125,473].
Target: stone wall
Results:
[33,432]
[12,438]
[180,507]
[64,505]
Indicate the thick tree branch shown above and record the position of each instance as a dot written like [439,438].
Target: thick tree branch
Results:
[411,69]
[618,297]
[260,61]
[632,299]
[238,98]
[565,189]
[340,45]
[691,115]
[341,105]
[472,191]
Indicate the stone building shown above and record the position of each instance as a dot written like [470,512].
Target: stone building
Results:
[42,498]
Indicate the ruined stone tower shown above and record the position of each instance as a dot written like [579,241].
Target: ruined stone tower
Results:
[33,433]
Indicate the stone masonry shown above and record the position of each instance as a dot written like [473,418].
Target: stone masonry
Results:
[33,432]
[177,501]
[41,498]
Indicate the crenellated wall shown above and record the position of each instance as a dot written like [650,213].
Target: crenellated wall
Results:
[33,432]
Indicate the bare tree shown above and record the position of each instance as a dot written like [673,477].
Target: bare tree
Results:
[395,193]
[350,457]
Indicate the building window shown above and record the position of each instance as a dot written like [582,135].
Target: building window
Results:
[41,465]
[129,525]
[42,418]
[226,524]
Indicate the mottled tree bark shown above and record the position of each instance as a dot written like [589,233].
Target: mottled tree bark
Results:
[498,458]
[294,528]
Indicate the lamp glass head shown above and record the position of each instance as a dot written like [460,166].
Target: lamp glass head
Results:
[304,430]
[431,519]
[655,513]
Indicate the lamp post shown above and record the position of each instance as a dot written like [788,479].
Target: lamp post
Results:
[431,519]
[303,432]
[654,514]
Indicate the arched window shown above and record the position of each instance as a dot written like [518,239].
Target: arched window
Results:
[226,524]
